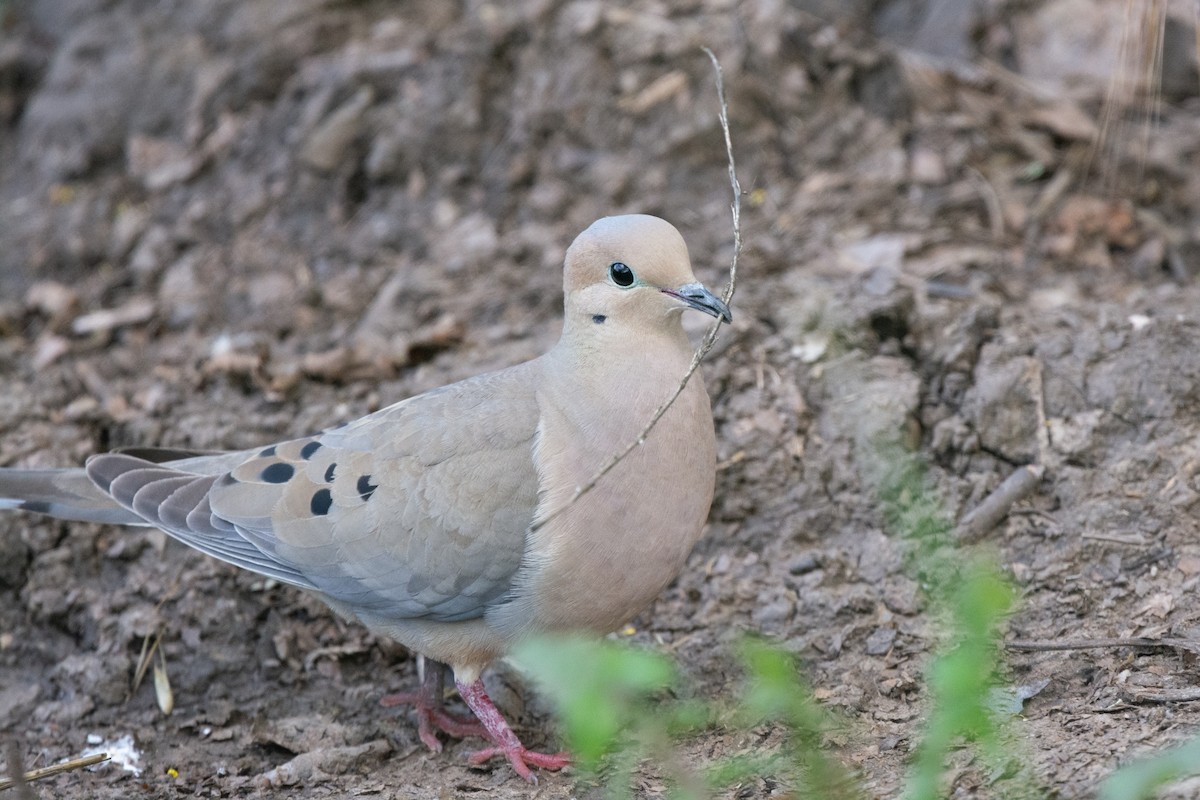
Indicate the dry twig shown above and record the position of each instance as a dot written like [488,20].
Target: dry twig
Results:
[709,339]
[995,507]
[1038,645]
[145,658]
[1163,696]
[54,769]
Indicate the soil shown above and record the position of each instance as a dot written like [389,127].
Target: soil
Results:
[228,222]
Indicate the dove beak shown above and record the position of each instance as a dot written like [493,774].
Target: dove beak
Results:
[694,295]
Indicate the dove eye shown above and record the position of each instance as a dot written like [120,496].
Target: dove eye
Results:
[620,274]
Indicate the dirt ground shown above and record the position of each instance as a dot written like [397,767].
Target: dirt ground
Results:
[226,222]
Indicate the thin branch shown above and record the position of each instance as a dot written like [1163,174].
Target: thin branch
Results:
[1163,696]
[1036,646]
[145,657]
[709,339]
[995,507]
[46,772]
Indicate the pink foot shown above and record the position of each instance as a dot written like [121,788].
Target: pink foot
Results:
[431,716]
[504,741]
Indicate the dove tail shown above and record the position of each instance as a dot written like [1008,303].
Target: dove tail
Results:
[61,493]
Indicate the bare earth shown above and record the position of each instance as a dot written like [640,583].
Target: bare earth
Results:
[226,222]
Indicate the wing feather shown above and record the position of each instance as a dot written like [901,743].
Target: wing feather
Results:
[417,511]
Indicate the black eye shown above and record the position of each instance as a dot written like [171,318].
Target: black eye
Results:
[621,274]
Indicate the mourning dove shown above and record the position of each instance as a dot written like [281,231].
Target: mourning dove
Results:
[449,521]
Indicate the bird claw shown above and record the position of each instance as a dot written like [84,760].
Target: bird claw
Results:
[487,723]
[458,726]
[431,719]
[504,741]
[521,760]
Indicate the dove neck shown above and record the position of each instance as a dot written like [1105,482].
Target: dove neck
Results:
[612,340]
[629,369]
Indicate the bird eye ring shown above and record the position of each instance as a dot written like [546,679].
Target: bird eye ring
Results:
[620,274]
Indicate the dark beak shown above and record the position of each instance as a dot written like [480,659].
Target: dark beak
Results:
[694,295]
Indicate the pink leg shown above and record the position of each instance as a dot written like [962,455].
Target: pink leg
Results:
[427,701]
[504,741]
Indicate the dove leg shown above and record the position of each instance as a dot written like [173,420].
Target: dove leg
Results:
[431,715]
[504,741]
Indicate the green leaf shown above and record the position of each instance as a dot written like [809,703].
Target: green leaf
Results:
[599,688]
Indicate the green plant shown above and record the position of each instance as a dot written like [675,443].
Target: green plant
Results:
[614,700]
[972,596]
[961,678]
[600,691]
[619,709]
[776,692]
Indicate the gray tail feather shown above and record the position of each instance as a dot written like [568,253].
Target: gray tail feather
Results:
[61,493]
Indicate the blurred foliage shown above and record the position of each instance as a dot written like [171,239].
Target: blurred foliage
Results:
[617,710]
[601,692]
[972,598]
[619,705]
[776,692]
[961,679]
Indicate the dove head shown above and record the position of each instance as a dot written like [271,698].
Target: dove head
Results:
[632,270]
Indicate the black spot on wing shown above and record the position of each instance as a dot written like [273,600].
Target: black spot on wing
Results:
[278,473]
[329,472]
[227,480]
[322,499]
[307,451]
[365,487]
